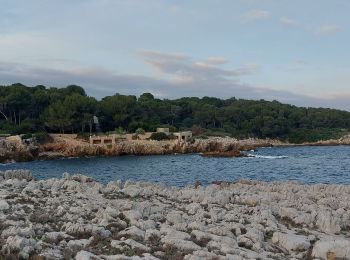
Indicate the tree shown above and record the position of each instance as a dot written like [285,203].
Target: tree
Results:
[31,109]
[82,109]
[57,116]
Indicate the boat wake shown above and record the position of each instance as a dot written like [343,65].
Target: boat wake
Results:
[267,156]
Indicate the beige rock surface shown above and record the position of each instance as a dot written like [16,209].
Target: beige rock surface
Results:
[76,217]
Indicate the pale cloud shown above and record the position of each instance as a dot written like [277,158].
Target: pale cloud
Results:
[215,60]
[287,22]
[152,54]
[254,15]
[299,62]
[182,68]
[327,30]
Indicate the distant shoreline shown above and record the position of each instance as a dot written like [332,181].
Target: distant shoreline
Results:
[68,146]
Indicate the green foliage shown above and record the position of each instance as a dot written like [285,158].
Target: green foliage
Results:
[42,137]
[201,137]
[313,135]
[41,109]
[171,136]
[119,131]
[85,136]
[140,131]
[159,136]
[26,136]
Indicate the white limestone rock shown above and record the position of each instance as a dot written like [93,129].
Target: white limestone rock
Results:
[25,246]
[59,217]
[131,243]
[13,231]
[17,174]
[77,245]
[85,255]
[183,245]
[113,186]
[49,253]
[133,232]
[55,237]
[328,223]
[4,205]
[332,248]
[200,254]
[291,242]
[169,233]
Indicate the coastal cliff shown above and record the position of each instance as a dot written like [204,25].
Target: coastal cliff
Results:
[77,217]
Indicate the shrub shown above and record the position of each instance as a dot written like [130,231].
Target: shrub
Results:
[42,137]
[26,136]
[171,136]
[84,136]
[159,136]
[140,131]
[119,130]
[202,137]
[191,140]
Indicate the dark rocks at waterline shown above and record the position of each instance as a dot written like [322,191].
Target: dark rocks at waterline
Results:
[76,217]
[50,156]
[226,154]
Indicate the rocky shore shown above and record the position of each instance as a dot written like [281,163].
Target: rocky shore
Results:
[65,146]
[14,151]
[78,218]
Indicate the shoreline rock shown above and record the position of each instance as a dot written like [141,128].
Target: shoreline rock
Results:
[77,217]
[228,154]
[64,146]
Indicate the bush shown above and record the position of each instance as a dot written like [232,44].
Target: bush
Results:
[26,136]
[84,136]
[119,131]
[191,140]
[42,137]
[140,131]
[171,136]
[159,136]
[202,137]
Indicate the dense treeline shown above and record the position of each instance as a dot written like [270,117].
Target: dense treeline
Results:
[37,109]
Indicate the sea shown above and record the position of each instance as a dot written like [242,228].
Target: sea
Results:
[304,164]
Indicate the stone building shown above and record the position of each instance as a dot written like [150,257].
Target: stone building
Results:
[115,138]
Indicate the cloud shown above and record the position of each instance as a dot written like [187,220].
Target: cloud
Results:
[254,15]
[299,62]
[215,60]
[180,67]
[287,22]
[327,30]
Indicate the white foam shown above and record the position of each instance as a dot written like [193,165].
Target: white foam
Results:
[267,156]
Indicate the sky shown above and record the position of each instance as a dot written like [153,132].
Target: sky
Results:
[293,51]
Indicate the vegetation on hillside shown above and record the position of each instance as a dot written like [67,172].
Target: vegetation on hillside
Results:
[39,109]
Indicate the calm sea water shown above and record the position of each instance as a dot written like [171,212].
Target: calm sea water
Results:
[305,164]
